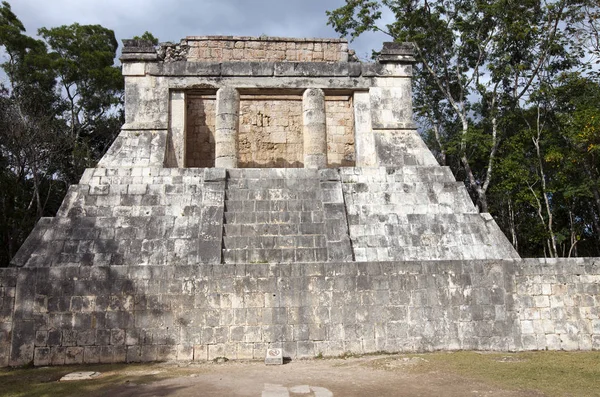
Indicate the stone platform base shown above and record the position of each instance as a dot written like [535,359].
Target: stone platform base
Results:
[90,314]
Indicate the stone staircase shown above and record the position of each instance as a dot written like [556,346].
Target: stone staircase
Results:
[284,216]
[179,216]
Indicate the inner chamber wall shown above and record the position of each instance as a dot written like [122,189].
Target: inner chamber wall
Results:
[270,130]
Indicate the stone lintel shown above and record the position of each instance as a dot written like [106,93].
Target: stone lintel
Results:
[247,68]
[277,69]
[183,68]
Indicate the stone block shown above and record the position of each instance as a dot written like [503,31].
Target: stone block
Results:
[74,355]
[247,69]
[313,69]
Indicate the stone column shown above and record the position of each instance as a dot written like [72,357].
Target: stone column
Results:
[226,128]
[314,128]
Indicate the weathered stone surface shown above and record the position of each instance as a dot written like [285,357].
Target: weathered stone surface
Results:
[238,311]
[314,128]
[415,213]
[391,107]
[364,138]
[226,127]
[281,216]
[396,148]
[183,68]
[138,46]
[313,69]
[176,138]
[239,48]
[147,260]
[83,375]
[247,68]
[397,52]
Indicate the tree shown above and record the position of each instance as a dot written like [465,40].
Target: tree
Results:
[477,61]
[147,36]
[59,113]
[492,98]
[82,58]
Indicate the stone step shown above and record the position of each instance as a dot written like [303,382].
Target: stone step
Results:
[274,242]
[274,217]
[428,236]
[149,175]
[407,174]
[273,194]
[272,173]
[262,229]
[291,255]
[273,205]
[408,198]
[459,252]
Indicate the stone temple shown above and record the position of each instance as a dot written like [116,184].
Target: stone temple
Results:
[274,192]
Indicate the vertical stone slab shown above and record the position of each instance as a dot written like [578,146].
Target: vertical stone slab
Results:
[176,141]
[226,127]
[363,133]
[314,128]
[391,103]
[396,148]
[146,103]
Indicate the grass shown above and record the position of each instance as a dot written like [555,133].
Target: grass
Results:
[43,382]
[552,373]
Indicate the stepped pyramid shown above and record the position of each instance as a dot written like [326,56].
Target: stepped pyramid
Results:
[262,193]
[245,150]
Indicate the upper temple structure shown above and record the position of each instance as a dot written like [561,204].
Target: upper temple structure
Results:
[265,150]
[275,193]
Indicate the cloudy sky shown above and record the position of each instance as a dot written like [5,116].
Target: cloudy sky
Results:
[171,20]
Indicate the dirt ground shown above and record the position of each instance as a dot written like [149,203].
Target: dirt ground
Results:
[364,376]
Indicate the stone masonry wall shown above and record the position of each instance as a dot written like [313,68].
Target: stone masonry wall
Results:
[559,303]
[339,111]
[270,131]
[200,133]
[100,314]
[83,314]
[236,48]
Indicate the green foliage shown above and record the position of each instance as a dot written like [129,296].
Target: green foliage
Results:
[147,36]
[494,101]
[59,114]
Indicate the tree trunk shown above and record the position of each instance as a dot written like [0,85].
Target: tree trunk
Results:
[536,143]
[513,231]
